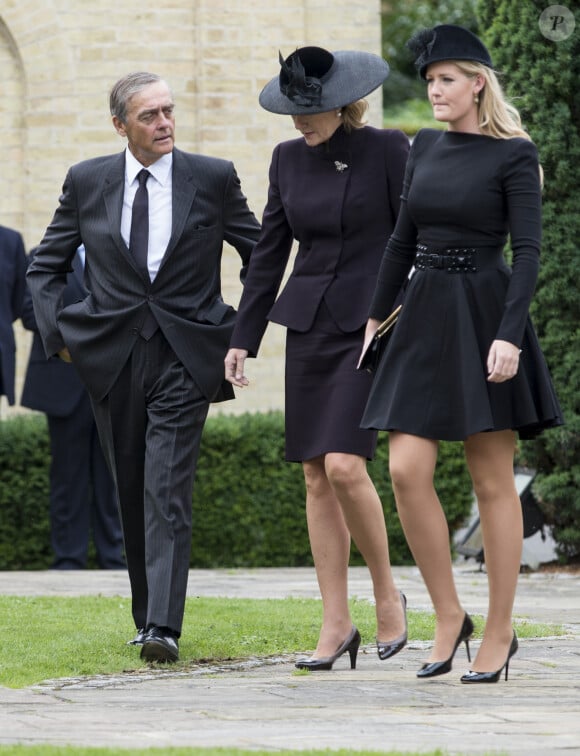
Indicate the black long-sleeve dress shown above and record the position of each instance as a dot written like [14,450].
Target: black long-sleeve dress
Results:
[462,192]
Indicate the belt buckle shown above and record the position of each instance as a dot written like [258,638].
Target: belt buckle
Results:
[460,260]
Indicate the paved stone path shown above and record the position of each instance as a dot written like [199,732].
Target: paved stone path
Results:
[378,706]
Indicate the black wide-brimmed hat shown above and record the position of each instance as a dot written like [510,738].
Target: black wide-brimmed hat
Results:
[313,80]
[447,42]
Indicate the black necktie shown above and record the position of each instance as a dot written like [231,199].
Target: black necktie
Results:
[139,241]
[139,236]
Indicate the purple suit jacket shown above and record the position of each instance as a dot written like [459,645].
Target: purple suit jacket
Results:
[339,201]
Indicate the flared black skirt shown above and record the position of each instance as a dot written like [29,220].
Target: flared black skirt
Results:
[325,393]
[432,379]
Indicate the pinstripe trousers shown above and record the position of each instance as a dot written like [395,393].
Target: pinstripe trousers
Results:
[150,426]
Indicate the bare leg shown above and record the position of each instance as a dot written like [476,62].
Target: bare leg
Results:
[412,465]
[330,545]
[490,459]
[363,513]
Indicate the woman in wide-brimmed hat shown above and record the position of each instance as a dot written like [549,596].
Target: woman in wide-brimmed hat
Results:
[336,191]
[464,362]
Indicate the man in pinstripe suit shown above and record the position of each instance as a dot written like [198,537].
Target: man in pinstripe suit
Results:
[150,338]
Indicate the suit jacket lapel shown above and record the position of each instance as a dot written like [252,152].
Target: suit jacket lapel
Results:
[183,193]
[113,192]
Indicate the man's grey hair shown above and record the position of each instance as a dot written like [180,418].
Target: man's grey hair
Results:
[127,87]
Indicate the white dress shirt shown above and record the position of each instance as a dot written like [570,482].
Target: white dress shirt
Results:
[159,187]
[81,255]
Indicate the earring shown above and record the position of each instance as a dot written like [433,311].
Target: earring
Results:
[476,98]
[338,113]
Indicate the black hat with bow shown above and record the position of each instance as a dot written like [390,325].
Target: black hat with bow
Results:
[447,42]
[313,80]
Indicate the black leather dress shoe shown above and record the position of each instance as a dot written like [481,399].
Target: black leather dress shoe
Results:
[139,638]
[160,645]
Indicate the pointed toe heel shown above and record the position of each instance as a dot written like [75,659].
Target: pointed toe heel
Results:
[433,669]
[492,677]
[387,649]
[351,644]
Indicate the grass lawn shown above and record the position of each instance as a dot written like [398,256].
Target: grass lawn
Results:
[49,638]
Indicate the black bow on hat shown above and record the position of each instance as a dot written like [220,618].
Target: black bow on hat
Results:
[447,42]
[313,80]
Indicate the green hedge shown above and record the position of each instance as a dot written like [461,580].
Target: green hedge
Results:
[24,465]
[248,503]
[543,77]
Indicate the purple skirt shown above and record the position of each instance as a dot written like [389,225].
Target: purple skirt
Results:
[325,393]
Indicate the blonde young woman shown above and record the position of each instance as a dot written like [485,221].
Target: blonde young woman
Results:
[464,362]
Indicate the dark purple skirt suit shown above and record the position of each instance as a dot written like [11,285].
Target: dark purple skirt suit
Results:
[339,200]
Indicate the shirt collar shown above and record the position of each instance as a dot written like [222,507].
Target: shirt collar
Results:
[160,169]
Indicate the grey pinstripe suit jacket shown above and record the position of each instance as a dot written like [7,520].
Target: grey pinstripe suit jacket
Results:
[185,297]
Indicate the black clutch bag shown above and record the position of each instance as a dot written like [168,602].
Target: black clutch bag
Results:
[373,353]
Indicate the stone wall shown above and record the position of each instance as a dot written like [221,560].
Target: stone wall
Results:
[59,59]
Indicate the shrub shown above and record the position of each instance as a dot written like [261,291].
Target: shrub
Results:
[24,465]
[248,503]
[542,77]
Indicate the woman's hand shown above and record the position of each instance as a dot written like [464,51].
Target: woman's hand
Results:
[234,362]
[370,331]
[502,361]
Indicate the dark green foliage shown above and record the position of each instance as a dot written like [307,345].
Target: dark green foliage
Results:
[24,463]
[541,77]
[248,503]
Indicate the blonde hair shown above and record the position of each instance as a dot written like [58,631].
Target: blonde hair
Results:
[353,115]
[497,117]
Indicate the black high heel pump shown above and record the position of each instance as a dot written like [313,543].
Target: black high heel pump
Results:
[387,649]
[432,669]
[492,677]
[351,645]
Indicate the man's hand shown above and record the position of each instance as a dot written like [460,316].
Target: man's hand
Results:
[64,355]
[234,363]
[502,361]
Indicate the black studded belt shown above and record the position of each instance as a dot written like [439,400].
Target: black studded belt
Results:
[459,259]
[452,260]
